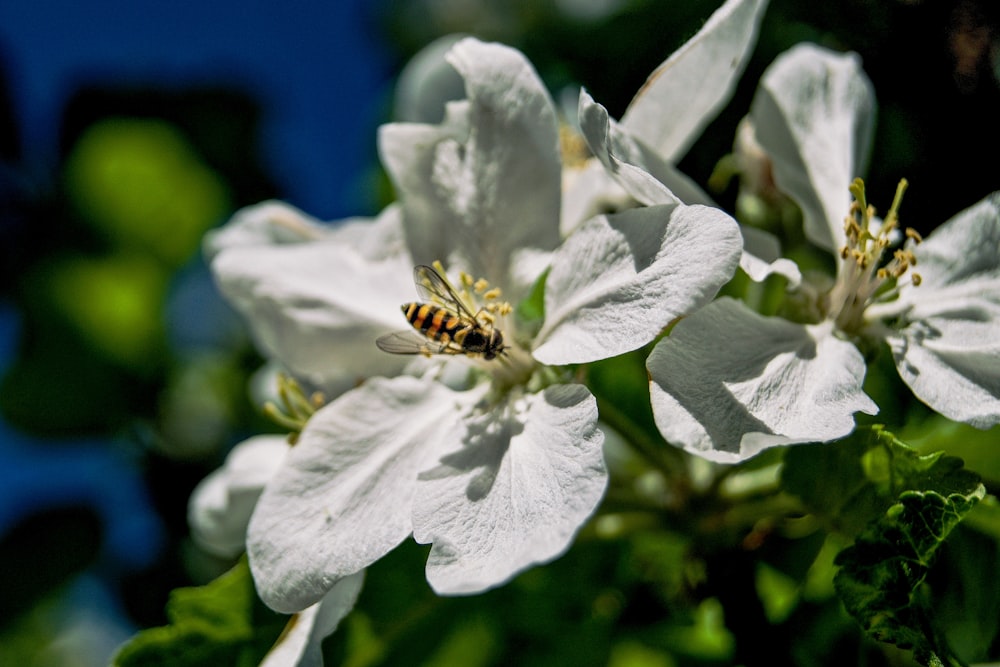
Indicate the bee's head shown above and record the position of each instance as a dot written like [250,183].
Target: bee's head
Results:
[495,345]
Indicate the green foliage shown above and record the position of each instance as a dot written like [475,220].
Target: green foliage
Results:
[856,480]
[114,303]
[140,183]
[902,505]
[221,623]
[882,575]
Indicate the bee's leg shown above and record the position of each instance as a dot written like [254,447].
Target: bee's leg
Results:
[445,341]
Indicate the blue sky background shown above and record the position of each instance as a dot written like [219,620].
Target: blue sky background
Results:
[317,68]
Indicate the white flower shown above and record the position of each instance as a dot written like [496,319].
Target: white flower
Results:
[498,465]
[637,156]
[220,506]
[729,382]
[218,514]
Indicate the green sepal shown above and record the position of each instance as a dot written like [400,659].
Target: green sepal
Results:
[220,623]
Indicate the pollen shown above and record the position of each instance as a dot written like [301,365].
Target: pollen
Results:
[295,407]
[867,274]
[572,146]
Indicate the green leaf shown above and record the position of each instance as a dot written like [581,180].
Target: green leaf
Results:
[220,623]
[967,611]
[901,505]
[882,575]
[854,481]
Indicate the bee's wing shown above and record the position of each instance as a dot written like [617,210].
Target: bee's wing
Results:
[404,342]
[432,287]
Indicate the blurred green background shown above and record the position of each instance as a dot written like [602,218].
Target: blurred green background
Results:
[127,131]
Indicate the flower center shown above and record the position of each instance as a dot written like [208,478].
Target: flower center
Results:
[295,409]
[485,316]
[867,274]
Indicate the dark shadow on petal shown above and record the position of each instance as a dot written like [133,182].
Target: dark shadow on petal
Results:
[699,374]
[645,237]
[485,443]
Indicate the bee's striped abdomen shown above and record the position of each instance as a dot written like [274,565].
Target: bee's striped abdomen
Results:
[433,321]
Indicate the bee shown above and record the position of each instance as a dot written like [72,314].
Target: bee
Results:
[447,324]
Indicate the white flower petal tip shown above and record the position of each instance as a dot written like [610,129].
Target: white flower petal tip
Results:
[728,383]
[301,644]
[221,504]
[343,498]
[684,93]
[526,478]
[620,279]
[620,155]
[427,83]
[762,258]
[267,223]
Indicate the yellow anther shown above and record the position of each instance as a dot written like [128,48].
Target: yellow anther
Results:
[317,399]
[913,235]
[492,294]
[915,278]
[480,286]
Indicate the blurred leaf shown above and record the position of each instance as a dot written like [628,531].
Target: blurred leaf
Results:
[706,638]
[114,302]
[778,593]
[471,643]
[635,654]
[530,311]
[967,611]
[221,623]
[882,575]
[140,183]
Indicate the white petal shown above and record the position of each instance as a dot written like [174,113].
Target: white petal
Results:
[947,350]
[684,93]
[620,155]
[959,266]
[488,181]
[952,363]
[221,504]
[317,308]
[762,257]
[409,152]
[589,190]
[814,114]
[728,383]
[267,223]
[272,223]
[529,473]
[343,498]
[961,256]
[301,643]
[620,279]
[427,84]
